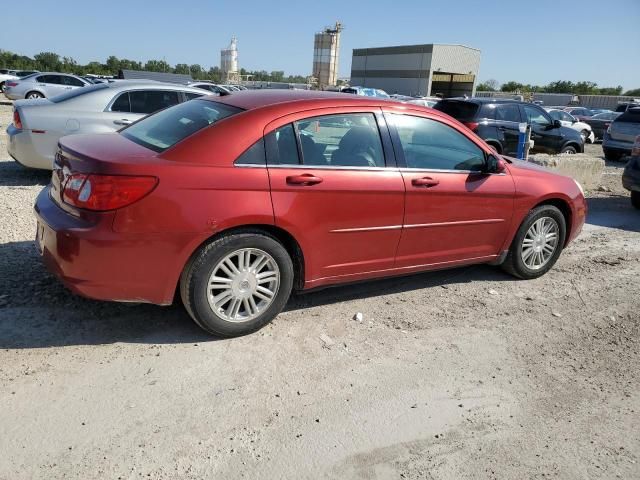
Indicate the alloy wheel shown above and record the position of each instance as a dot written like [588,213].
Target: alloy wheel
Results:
[243,285]
[540,243]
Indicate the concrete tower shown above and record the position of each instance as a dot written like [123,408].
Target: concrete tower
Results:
[229,62]
[326,48]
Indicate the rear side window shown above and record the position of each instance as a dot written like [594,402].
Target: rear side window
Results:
[281,145]
[630,116]
[348,140]
[149,101]
[461,111]
[191,95]
[430,145]
[71,81]
[254,155]
[508,113]
[122,103]
[166,128]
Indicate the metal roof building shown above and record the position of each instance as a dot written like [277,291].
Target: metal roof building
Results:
[450,70]
[158,76]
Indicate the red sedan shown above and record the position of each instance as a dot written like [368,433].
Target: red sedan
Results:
[234,201]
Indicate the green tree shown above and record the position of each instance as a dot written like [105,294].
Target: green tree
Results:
[196,71]
[157,66]
[48,61]
[181,68]
[633,93]
[512,87]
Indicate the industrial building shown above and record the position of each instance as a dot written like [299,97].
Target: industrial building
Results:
[425,70]
[326,49]
[229,62]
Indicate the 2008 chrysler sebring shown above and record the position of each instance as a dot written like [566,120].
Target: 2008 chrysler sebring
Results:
[234,201]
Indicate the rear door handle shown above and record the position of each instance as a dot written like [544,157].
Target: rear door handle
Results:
[122,121]
[304,179]
[424,182]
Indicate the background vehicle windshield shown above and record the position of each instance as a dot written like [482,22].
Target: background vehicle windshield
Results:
[167,127]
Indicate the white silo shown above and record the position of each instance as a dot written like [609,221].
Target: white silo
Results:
[229,62]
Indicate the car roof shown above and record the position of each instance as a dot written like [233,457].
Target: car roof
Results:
[250,99]
[483,100]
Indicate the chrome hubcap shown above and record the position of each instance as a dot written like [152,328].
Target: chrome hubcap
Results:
[540,243]
[243,284]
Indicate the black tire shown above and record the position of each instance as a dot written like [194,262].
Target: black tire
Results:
[34,95]
[514,264]
[195,279]
[569,149]
[2,87]
[635,199]
[612,155]
[585,136]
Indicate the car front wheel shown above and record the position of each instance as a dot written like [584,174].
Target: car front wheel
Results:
[237,283]
[569,150]
[537,244]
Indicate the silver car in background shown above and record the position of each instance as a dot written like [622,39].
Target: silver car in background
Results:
[43,85]
[103,108]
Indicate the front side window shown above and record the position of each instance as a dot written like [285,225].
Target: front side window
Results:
[347,140]
[149,101]
[166,128]
[191,95]
[535,116]
[567,118]
[430,145]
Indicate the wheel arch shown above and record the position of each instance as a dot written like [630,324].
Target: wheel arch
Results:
[287,240]
[572,143]
[564,207]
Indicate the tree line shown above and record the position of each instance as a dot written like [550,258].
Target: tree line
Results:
[52,62]
[560,86]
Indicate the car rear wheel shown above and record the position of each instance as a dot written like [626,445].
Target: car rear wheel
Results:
[2,87]
[32,95]
[537,244]
[237,283]
[635,199]
[569,150]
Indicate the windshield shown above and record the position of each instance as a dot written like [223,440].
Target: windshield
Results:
[461,111]
[76,92]
[167,127]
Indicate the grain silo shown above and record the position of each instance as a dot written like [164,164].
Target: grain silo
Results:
[229,62]
[326,48]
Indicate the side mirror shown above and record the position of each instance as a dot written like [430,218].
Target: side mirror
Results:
[495,165]
[556,124]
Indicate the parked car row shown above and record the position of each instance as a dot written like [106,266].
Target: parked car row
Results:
[39,123]
[6,75]
[496,121]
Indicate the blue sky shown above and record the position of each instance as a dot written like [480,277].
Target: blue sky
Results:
[531,42]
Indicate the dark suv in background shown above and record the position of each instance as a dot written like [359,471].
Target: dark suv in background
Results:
[496,122]
[619,137]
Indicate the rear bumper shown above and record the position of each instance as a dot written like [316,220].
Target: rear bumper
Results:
[616,145]
[93,261]
[22,149]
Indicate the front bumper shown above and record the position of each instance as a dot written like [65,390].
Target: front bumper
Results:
[93,261]
[22,149]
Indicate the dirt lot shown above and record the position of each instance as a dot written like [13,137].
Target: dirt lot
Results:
[460,374]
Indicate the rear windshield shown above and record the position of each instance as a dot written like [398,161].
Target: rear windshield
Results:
[165,128]
[76,92]
[461,111]
[631,116]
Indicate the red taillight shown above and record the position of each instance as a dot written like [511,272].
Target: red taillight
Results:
[105,192]
[471,125]
[17,121]
[11,84]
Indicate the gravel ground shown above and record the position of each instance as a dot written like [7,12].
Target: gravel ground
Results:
[460,374]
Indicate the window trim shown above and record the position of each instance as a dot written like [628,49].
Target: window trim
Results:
[402,163]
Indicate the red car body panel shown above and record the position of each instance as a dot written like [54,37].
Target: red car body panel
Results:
[355,224]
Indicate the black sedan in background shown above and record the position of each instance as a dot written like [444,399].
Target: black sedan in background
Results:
[631,174]
[600,122]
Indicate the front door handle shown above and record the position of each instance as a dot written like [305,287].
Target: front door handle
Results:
[304,179]
[122,121]
[424,182]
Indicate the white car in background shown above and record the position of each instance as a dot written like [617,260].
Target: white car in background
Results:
[568,120]
[6,75]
